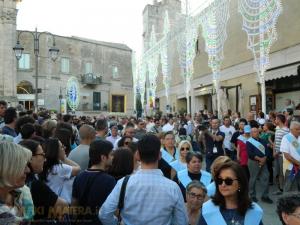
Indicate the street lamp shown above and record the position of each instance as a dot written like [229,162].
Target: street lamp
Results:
[53,51]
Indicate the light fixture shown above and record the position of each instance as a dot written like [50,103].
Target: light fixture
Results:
[18,49]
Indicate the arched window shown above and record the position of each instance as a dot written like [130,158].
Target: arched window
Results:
[25,87]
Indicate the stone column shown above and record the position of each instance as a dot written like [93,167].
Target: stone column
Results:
[8,71]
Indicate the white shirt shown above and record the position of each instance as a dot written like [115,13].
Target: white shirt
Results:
[287,147]
[167,127]
[228,131]
[149,126]
[112,139]
[61,182]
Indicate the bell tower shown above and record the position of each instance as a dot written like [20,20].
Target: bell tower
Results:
[8,69]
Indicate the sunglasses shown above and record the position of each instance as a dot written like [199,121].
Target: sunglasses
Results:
[228,181]
[184,149]
[41,154]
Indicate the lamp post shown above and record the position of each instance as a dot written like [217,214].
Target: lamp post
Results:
[18,49]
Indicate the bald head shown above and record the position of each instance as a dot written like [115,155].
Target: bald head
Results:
[87,132]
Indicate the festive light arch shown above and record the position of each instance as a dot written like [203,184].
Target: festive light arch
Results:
[259,22]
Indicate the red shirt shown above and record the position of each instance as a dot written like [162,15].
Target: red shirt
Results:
[243,153]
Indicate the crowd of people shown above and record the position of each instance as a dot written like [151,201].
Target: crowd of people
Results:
[160,170]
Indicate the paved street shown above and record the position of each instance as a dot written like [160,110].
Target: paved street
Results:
[270,215]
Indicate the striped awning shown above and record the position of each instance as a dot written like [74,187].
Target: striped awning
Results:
[282,72]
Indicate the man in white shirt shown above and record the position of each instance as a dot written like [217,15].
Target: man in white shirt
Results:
[228,130]
[290,147]
[114,135]
[168,126]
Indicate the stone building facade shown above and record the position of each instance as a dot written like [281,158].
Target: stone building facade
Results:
[282,77]
[8,15]
[103,70]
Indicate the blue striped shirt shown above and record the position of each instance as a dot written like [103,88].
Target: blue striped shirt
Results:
[150,199]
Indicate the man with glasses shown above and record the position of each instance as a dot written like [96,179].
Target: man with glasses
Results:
[157,127]
[288,209]
[195,197]
[256,149]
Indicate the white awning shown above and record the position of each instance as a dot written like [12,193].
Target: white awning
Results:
[25,97]
[203,91]
[281,72]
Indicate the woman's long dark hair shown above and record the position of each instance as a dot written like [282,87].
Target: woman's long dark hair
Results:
[243,200]
[51,148]
[64,135]
[122,141]
[122,163]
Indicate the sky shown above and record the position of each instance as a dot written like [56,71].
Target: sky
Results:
[118,21]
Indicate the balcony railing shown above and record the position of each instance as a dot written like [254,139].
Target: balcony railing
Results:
[91,78]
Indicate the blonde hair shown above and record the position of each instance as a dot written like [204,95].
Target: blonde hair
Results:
[13,161]
[185,142]
[217,163]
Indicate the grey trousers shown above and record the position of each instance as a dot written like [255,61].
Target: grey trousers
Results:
[291,184]
[263,174]
[278,170]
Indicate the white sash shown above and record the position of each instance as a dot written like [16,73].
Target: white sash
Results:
[211,189]
[177,166]
[294,142]
[212,215]
[167,157]
[184,178]
[242,138]
[257,145]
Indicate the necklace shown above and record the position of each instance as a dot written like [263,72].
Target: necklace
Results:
[234,220]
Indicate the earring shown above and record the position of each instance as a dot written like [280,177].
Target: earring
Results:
[239,190]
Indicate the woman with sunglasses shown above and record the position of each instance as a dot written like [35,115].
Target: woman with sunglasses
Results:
[211,188]
[231,204]
[125,141]
[193,172]
[43,197]
[58,170]
[13,170]
[180,164]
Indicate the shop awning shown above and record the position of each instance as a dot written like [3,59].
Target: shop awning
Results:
[282,72]
[203,91]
